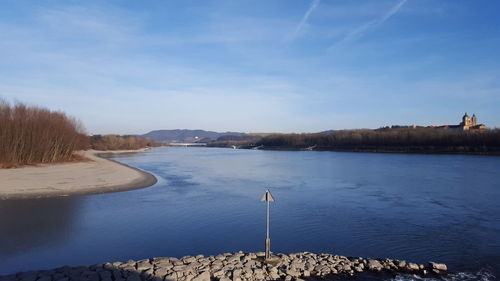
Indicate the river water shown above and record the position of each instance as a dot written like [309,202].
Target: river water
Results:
[420,208]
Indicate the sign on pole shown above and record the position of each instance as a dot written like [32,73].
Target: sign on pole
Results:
[267,198]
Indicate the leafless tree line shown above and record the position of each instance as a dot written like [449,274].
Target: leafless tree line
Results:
[428,138]
[30,135]
[116,142]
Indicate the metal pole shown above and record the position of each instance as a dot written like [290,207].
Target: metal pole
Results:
[268,241]
[267,236]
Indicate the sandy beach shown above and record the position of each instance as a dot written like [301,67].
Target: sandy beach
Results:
[98,175]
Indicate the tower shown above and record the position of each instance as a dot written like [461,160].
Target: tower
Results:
[474,120]
[466,120]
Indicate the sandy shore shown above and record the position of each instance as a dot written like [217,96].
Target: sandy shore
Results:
[99,175]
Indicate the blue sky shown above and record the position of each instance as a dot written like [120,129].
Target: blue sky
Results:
[254,66]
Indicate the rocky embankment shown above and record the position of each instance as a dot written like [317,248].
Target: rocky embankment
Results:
[228,267]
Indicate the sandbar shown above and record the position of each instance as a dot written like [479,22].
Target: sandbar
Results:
[97,175]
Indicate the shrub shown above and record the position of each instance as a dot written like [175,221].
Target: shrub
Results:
[31,135]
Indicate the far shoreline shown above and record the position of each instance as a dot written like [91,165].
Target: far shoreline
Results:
[99,175]
[386,150]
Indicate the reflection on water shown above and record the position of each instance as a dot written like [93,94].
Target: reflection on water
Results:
[30,224]
[414,207]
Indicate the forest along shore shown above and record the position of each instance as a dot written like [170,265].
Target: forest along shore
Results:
[230,266]
[96,175]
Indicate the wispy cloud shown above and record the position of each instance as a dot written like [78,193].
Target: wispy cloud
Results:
[359,31]
[312,7]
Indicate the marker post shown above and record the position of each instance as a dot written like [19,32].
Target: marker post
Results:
[268,198]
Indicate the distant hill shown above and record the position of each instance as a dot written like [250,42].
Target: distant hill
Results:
[186,135]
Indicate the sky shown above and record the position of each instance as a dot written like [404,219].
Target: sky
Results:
[129,67]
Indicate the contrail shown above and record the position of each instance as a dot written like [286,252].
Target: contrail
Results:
[311,9]
[358,32]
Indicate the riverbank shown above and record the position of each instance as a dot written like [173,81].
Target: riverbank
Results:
[95,175]
[373,149]
[231,266]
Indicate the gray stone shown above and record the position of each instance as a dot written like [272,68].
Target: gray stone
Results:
[204,276]
[171,277]
[346,267]
[133,276]
[412,266]
[374,265]
[188,277]
[219,273]
[438,266]
[179,268]
[293,273]
[144,265]
[401,264]
[161,272]
[105,276]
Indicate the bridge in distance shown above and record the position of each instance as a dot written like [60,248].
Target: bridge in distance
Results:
[186,144]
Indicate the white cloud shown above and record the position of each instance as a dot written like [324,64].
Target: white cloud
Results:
[359,31]
[312,7]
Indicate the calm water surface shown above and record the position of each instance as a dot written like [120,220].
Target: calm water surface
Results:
[442,208]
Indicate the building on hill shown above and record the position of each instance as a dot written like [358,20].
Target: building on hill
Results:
[468,123]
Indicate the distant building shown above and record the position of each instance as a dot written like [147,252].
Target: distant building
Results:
[468,123]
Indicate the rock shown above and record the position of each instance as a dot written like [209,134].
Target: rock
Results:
[105,276]
[188,277]
[374,265]
[438,266]
[133,276]
[179,268]
[274,275]
[234,259]
[401,264]
[413,266]
[171,277]
[346,267]
[188,259]
[143,265]
[161,272]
